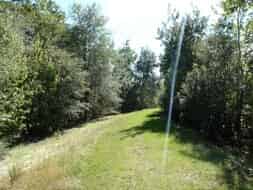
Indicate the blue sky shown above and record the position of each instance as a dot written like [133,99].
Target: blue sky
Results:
[138,20]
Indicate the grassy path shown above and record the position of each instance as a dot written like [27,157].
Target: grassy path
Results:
[27,156]
[125,152]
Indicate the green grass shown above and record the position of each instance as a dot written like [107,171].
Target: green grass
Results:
[125,152]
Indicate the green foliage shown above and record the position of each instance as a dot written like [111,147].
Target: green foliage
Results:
[214,87]
[91,42]
[16,92]
[169,35]
[124,73]
[231,6]
[54,74]
[60,99]
[42,87]
[139,84]
[146,82]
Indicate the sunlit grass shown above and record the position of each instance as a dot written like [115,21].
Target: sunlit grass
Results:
[125,152]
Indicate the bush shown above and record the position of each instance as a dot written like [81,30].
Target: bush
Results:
[41,91]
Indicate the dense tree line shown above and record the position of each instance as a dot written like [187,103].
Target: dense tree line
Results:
[214,85]
[54,74]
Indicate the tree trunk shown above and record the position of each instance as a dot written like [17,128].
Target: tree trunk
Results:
[240,93]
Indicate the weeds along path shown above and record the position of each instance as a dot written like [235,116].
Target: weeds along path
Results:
[27,156]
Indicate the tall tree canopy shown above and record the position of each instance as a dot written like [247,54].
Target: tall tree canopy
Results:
[214,85]
[92,42]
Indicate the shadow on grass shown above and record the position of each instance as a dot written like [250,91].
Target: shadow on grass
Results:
[10,142]
[154,124]
[202,149]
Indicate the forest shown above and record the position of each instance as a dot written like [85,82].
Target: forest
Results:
[58,72]
[55,74]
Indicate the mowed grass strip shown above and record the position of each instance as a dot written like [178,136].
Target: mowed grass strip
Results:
[125,152]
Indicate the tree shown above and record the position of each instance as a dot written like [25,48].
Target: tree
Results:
[15,90]
[124,73]
[238,11]
[169,35]
[207,95]
[146,84]
[216,95]
[91,42]
[41,89]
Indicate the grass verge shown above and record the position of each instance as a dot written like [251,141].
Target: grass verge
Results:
[125,152]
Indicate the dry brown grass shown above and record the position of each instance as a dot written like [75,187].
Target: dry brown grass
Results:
[44,165]
[50,175]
